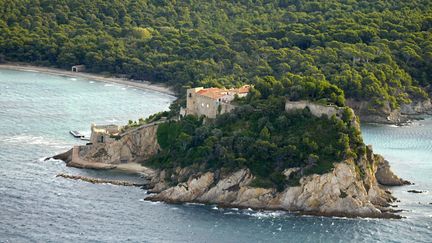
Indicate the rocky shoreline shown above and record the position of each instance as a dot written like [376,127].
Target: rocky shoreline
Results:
[354,187]
[341,193]
[401,116]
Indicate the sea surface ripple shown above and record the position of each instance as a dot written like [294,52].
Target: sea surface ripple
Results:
[38,110]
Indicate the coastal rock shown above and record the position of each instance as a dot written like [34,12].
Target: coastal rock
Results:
[387,115]
[233,190]
[417,107]
[341,192]
[416,191]
[384,114]
[335,193]
[157,182]
[66,156]
[185,192]
[385,176]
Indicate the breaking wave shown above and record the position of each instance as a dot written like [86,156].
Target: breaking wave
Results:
[35,140]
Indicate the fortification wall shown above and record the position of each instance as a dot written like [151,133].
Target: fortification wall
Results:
[316,109]
[319,110]
[135,146]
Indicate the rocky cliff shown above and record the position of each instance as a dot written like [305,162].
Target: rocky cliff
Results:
[386,115]
[351,189]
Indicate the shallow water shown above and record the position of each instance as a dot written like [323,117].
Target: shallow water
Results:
[38,110]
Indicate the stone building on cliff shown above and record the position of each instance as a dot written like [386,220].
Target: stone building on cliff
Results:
[103,133]
[211,102]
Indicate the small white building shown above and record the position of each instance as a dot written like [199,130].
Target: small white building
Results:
[78,68]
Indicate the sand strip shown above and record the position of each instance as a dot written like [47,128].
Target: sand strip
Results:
[96,77]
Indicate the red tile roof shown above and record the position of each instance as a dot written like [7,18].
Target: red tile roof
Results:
[216,93]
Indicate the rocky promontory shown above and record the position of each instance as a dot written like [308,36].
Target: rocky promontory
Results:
[353,187]
[342,192]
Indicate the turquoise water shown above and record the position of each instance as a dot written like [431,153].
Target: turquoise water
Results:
[38,110]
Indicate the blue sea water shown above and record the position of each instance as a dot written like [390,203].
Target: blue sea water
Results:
[38,110]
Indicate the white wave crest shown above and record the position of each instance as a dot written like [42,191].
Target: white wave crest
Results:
[265,214]
[31,70]
[193,204]
[35,140]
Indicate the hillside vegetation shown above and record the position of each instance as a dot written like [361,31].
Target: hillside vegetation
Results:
[261,136]
[378,51]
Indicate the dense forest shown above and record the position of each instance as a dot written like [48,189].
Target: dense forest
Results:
[379,51]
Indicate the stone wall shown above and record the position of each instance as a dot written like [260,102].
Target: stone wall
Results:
[385,114]
[225,108]
[316,109]
[319,110]
[206,106]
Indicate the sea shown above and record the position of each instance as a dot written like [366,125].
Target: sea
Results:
[37,111]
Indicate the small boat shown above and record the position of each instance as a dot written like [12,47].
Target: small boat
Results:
[85,138]
[76,134]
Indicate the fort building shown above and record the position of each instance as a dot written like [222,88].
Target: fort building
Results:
[104,133]
[210,102]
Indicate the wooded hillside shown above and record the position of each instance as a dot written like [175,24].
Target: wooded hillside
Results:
[380,51]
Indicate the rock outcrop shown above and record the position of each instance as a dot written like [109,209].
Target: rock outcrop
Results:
[386,177]
[417,107]
[387,115]
[66,156]
[350,189]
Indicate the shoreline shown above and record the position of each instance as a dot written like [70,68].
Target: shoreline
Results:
[140,84]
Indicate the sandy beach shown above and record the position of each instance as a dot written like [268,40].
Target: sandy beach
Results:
[96,77]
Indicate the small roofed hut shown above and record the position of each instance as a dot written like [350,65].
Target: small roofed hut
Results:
[78,68]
